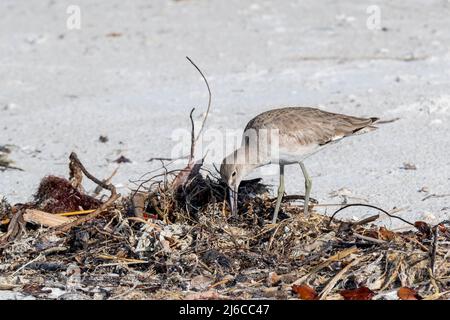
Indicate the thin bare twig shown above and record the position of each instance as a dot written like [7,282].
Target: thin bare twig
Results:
[365,221]
[193,139]
[360,236]
[337,277]
[434,195]
[434,250]
[166,159]
[14,228]
[369,206]
[209,99]
[98,189]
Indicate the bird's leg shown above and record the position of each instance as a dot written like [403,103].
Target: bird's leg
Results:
[308,185]
[280,194]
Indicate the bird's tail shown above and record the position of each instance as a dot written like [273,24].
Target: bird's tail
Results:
[368,128]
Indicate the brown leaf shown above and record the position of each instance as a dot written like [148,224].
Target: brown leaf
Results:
[423,227]
[361,293]
[200,283]
[34,289]
[206,295]
[273,279]
[305,292]
[371,233]
[405,293]
[386,234]
[442,228]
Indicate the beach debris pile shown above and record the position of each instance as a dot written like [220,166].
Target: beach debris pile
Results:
[174,238]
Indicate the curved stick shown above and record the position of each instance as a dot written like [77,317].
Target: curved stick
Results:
[209,99]
[369,206]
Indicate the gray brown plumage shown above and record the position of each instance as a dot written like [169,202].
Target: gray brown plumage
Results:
[309,125]
[301,131]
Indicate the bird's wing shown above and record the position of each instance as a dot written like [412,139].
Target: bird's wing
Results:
[314,126]
[309,126]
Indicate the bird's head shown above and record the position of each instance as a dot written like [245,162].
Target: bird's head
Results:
[233,169]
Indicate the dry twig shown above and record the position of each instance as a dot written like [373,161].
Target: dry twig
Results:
[103,207]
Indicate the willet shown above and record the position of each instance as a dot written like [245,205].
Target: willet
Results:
[287,136]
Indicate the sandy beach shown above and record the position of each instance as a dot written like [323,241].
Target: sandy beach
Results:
[123,75]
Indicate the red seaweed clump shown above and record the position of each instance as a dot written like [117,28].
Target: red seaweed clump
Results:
[57,195]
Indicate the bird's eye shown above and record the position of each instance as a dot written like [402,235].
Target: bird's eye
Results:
[233,174]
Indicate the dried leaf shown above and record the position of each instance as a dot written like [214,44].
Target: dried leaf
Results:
[273,279]
[372,233]
[206,295]
[386,234]
[200,282]
[305,292]
[34,289]
[442,228]
[361,293]
[423,227]
[405,293]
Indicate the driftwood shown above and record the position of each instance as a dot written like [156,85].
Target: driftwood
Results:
[44,218]
[15,227]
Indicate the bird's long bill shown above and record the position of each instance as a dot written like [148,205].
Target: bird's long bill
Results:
[233,200]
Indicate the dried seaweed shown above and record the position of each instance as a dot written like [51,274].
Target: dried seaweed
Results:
[56,195]
[186,245]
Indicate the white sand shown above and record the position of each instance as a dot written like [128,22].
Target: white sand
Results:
[61,89]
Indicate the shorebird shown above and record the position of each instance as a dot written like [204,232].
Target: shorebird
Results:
[287,136]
